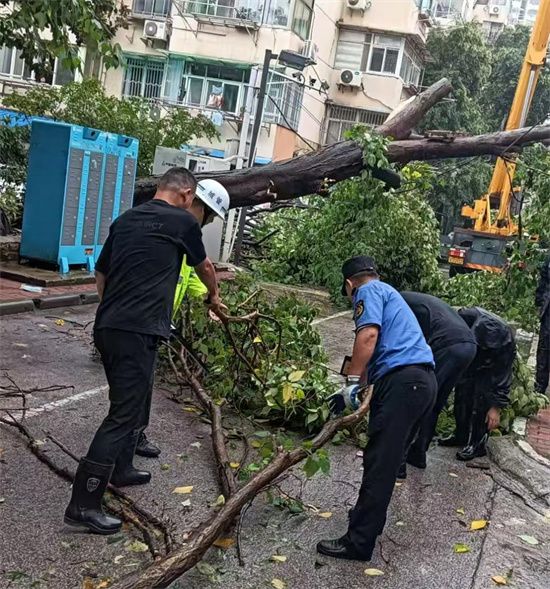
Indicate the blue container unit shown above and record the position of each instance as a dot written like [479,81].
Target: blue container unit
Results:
[118,182]
[78,181]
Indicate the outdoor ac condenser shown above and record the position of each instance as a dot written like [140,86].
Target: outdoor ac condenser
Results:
[78,181]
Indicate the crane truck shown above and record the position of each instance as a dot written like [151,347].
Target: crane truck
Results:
[484,247]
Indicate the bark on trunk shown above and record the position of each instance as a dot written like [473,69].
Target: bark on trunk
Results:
[308,173]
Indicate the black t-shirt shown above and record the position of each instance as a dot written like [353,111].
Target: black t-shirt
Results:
[441,325]
[142,259]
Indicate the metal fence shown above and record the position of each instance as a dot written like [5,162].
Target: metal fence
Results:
[283,102]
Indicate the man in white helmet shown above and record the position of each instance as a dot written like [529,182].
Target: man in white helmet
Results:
[212,200]
[137,274]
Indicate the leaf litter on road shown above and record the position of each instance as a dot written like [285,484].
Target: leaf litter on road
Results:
[478,524]
[461,548]
[278,558]
[531,540]
[278,584]
[183,490]
[499,580]
[374,572]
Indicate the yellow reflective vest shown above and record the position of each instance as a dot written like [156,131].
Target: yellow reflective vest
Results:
[188,282]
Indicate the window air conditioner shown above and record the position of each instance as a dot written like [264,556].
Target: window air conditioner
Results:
[154,29]
[310,50]
[351,78]
[495,10]
[357,4]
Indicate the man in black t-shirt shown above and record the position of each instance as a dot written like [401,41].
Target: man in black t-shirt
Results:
[454,348]
[137,273]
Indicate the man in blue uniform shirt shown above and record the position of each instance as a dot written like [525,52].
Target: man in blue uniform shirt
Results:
[390,353]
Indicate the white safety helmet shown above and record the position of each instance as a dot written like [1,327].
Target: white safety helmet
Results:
[214,195]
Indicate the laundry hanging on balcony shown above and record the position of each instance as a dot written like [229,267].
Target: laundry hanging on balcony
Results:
[216,99]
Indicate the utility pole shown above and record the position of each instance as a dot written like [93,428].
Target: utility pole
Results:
[253,142]
[230,235]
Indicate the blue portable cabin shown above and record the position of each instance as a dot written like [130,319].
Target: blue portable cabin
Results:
[70,188]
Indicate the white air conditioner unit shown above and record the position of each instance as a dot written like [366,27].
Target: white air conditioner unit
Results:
[351,78]
[495,10]
[154,29]
[310,50]
[357,4]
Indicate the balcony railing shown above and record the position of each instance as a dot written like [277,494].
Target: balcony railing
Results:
[152,8]
[246,10]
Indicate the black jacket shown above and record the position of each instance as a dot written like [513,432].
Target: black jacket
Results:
[542,295]
[495,356]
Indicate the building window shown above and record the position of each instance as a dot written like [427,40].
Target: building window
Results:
[411,66]
[303,14]
[277,13]
[342,118]
[206,85]
[366,52]
[11,63]
[283,102]
[152,7]
[143,77]
[242,9]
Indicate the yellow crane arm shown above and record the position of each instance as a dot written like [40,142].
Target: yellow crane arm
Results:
[501,182]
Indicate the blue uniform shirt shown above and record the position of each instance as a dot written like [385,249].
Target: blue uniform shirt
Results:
[400,340]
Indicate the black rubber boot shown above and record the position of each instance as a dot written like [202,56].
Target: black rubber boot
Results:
[145,448]
[341,549]
[477,444]
[125,474]
[85,509]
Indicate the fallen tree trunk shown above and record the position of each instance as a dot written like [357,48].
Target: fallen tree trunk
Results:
[309,173]
[165,571]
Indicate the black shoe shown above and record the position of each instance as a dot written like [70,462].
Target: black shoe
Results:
[85,509]
[476,450]
[145,448]
[339,549]
[416,457]
[453,441]
[402,472]
[125,474]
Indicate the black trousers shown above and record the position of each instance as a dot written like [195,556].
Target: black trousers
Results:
[450,364]
[400,400]
[543,354]
[129,360]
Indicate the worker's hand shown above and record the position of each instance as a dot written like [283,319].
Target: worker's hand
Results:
[213,316]
[493,418]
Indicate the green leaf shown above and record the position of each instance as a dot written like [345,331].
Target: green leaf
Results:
[311,466]
[461,548]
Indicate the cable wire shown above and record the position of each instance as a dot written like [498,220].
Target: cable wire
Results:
[290,126]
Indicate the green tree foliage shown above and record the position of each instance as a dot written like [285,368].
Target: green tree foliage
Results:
[86,103]
[42,30]
[399,230]
[284,378]
[455,183]
[462,56]
[506,61]
[511,295]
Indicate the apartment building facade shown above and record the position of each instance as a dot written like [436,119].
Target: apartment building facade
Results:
[365,57]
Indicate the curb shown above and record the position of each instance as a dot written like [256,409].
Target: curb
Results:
[49,302]
[13,307]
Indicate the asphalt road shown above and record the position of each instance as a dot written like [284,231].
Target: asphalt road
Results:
[416,549]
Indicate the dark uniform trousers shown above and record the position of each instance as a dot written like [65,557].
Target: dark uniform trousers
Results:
[482,387]
[401,399]
[543,353]
[450,364]
[129,360]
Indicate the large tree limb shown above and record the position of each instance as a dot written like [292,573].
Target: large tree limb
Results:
[308,174]
[162,573]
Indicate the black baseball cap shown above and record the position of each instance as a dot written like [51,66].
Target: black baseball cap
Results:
[356,265]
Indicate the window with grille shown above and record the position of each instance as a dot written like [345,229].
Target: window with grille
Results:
[143,77]
[152,7]
[283,101]
[206,85]
[366,52]
[340,119]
